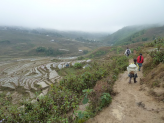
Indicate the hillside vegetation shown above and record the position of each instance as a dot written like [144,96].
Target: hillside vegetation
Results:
[125,35]
[142,36]
[154,68]
[94,83]
[16,41]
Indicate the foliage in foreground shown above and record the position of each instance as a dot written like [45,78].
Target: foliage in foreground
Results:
[65,97]
[156,55]
[154,68]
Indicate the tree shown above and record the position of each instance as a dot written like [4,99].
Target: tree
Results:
[40,49]
[85,51]
[49,51]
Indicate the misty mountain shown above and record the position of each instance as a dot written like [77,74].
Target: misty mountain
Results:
[142,36]
[123,33]
[85,35]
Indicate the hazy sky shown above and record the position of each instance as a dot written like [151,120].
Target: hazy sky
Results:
[81,15]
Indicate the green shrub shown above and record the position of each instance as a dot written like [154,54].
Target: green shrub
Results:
[119,49]
[85,51]
[157,57]
[144,39]
[57,102]
[40,49]
[80,58]
[77,65]
[105,100]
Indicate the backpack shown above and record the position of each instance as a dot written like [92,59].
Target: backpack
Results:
[132,72]
[128,51]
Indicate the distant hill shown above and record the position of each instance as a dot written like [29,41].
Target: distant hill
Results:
[19,41]
[142,36]
[122,34]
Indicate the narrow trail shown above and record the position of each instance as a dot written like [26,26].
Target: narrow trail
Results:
[132,104]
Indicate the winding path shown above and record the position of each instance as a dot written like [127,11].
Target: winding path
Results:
[132,104]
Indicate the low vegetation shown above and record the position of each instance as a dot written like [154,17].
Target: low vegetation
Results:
[61,102]
[154,67]
[26,42]
[49,51]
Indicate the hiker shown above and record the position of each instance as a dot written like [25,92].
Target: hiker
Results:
[132,72]
[127,52]
[140,60]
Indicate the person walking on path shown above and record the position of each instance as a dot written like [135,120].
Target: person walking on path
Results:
[127,52]
[132,72]
[140,60]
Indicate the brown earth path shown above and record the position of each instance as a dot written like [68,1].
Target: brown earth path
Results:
[132,104]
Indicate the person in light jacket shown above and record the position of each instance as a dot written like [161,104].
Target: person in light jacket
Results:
[132,72]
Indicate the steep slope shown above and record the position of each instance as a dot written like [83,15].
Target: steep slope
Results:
[142,36]
[124,33]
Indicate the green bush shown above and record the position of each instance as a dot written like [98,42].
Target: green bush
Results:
[48,51]
[149,44]
[157,57]
[77,65]
[40,49]
[80,58]
[79,82]
[57,102]
[105,100]
[85,51]
[119,49]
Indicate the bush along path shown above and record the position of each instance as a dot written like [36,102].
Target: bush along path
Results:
[132,104]
[92,85]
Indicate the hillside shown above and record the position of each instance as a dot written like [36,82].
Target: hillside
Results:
[122,34]
[142,36]
[18,41]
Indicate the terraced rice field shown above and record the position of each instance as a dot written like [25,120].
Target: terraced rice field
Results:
[23,77]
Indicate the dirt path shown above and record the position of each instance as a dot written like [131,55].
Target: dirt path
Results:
[132,104]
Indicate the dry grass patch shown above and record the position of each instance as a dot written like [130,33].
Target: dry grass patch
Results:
[153,77]
[159,96]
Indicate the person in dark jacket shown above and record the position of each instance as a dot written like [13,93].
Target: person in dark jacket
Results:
[127,52]
[140,60]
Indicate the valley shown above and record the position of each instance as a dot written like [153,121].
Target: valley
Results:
[62,77]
